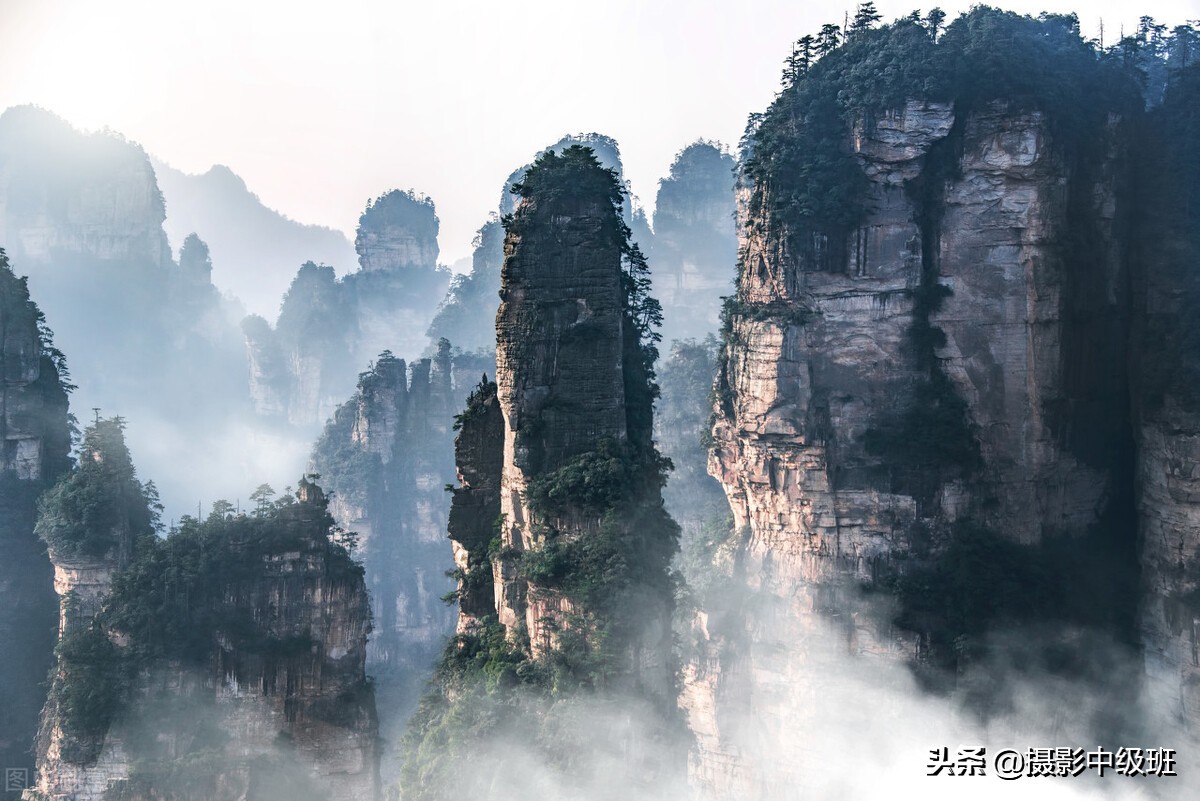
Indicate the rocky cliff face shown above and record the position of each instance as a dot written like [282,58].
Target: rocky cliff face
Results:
[227,660]
[695,241]
[1168,415]
[560,382]
[941,376]
[65,193]
[398,231]
[85,213]
[386,456]
[467,315]
[475,504]
[560,538]
[36,439]
[829,379]
[330,328]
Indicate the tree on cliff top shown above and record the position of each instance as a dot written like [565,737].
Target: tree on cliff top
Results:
[567,183]
[404,208]
[567,180]
[811,190]
[99,509]
[866,18]
[604,546]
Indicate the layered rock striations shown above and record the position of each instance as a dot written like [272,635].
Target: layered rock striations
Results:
[396,289]
[36,436]
[227,660]
[398,231]
[918,377]
[560,382]
[560,538]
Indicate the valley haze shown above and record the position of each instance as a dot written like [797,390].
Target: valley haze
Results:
[643,401]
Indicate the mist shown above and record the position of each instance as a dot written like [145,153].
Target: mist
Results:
[572,403]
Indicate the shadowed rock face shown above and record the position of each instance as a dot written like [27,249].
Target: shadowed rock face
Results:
[387,456]
[1168,411]
[560,538]
[35,436]
[559,363]
[823,466]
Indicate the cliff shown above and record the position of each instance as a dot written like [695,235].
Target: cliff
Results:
[227,660]
[922,420]
[329,328]
[299,371]
[398,231]
[62,192]
[565,599]
[386,457]
[466,316]
[35,430]
[695,240]
[1168,414]
[85,215]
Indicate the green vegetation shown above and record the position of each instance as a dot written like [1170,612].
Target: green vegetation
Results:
[477,402]
[810,193]
[180,596]
[181,599]
[100,505]
[560,183]
[604,541]
[351,471]
[591,483]
[405,209]
[962,581]
[175,600]
[86,689]
[807,185]
[977,580]
[618,484]
[39,409]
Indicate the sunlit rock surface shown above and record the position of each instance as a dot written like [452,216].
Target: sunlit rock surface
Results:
[818,360]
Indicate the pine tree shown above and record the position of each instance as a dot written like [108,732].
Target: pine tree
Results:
[934,21]
[864,19]
[804,53]
[828,39]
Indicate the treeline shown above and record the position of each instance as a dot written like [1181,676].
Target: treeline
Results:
[1152,50]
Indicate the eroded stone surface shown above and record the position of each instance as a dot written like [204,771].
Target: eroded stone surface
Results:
[817,359]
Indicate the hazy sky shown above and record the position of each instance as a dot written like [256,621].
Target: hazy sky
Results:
[321,106]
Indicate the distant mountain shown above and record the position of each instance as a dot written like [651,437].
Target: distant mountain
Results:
[255,250]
